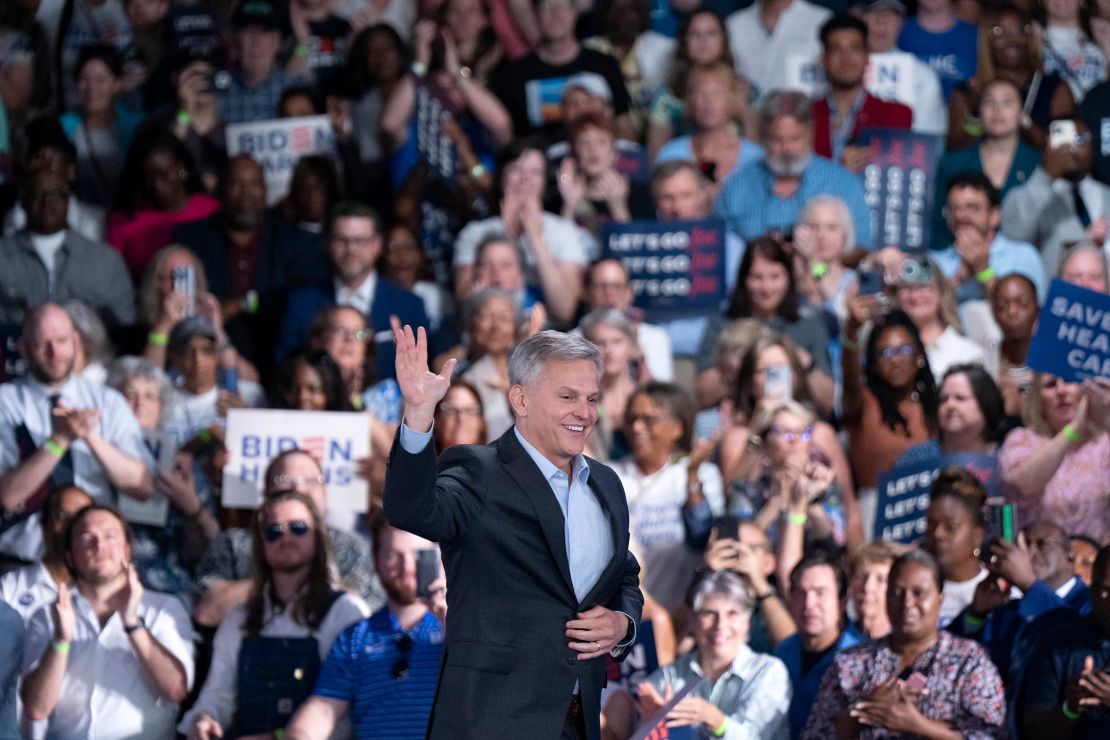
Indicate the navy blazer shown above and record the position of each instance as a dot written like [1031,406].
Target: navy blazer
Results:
[507,670]
[389,299]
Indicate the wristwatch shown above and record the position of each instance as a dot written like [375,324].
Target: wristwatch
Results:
[621,648]
[130,628]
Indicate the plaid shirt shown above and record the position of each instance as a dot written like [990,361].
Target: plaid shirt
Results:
[240,103]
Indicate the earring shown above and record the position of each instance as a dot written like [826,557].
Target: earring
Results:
[182,174]
[976,552]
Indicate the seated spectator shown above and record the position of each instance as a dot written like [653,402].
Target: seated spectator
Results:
[941,39]
[226,574]
[592,191]
[714,145]
[765,35]
[56,428]
[766,290]
[492,323]
[1083,551]
[871,685]
[342,332]
[49,261]
[94,349]
[1084,265]
[1054,467]
[770,193]
[664,477]
[161,188]
[999,154]
[884,19]
[314,190]
[1059,201]
[954,536]
[34,586]
[541,74]
[499,263]
[823,237]
[971,417]
[1015,310]
[818,590]
[1065,693]
[108,657]
[459,417]
[555,249]
[48,148]
[1009,50]
[979,254]
[385,692]
[844,57]
[702,40]
[354,246]
[267,653]
[102,128]
[755,693]
[867,586]
[165,555]
[256,83]
[199,359]
[1040,566]
[622,373]
[893,406]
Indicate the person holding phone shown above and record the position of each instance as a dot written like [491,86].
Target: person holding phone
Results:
[919,680]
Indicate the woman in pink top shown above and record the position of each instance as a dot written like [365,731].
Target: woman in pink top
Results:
[160,188]
[1057,467]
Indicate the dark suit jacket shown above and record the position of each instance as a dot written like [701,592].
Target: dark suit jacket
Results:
[874,113]
[389,299]
[507,670]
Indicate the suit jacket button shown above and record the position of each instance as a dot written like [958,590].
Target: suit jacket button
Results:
[571,660]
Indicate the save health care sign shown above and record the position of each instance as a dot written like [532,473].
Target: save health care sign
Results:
[1072,340]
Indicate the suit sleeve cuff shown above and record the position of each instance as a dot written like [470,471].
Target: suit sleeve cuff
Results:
[413,441]
[631,639]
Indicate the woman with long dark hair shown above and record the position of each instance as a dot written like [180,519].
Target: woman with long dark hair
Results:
[312,381]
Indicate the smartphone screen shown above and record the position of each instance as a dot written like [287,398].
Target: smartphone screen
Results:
[871,282]
[427,570]
[185,282]
[1001,521]
[1061,134]
[728,528]
[778,383]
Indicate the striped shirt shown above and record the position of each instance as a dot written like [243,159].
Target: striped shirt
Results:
[749,205]
[363,666]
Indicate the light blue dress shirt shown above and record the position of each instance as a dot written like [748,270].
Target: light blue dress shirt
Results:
[1006,257]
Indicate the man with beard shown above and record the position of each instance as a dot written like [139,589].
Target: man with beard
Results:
[1060,202]
[382,670]
[108,658]
[57,428]
[980,254]
[771,193]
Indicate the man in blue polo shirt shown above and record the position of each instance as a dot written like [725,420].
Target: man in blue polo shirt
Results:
[382,670]
[818,587]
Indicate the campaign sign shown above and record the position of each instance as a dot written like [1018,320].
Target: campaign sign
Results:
[12,364]
[677,268]
[336,439]
[155,510]
[805,73]
[433,143]
[1072,340]
[983,465]
[642,660]
[903,499]
[890,76]
[278,144]
[656,726]
[898,186]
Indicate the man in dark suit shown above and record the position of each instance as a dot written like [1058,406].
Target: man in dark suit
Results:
[541,586]
[354,245]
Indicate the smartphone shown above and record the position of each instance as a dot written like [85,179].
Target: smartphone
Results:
[916,682]
[1061,134]
[1001,520]
[871,282]
[185,282]
[778,383]
[728,528]
[227,379]
[427,571]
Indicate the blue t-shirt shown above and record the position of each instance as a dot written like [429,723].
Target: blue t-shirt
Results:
[953,55]
[364,669]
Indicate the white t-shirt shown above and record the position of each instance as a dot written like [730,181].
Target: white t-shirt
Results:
[46,247]
[763,58]
[28,589]
[565,241]
[958,596]
[188,413]
[952,348]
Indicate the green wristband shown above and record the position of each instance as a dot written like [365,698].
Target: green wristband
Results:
[205,436]
[795,518]
[184,118]
[1070,434]
[973,622]
[62,646]
[54,449]
[419,69]
[819,270]
[158,339]
[985,276]
[719,731]
[1067,712]
[279,733]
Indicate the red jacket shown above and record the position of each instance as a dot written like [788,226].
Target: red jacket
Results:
[874,113]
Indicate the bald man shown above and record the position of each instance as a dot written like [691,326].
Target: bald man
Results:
[56,428]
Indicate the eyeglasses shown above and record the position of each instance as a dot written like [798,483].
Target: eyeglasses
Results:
[450,410]
[291,481]
[400,669]
[1012,31]
[648,420]
[788,435]
[903,350]
[342,332]
[297,527]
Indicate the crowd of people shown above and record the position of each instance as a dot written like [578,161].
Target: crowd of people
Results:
[152,282]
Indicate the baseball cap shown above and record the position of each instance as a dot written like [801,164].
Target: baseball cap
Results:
[262,13]
[592,83]
[187,329]
[896,5]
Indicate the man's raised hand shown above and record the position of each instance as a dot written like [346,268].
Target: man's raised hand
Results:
[421,388]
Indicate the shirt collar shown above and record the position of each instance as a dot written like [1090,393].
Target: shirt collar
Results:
[1064,590]
[741,665]
[363,293]
[580,467]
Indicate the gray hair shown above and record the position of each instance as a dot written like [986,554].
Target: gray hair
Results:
[666,170]
[722,583]
[529,357]
[499,237]
[94,337]
[606,317]
[131,367]
[475,301]
[784,104]
[842,213]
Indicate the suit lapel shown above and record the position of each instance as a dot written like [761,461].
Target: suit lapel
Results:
[523,470]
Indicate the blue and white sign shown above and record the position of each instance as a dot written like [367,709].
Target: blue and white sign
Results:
[278,144]
[903,500]
[1072,340]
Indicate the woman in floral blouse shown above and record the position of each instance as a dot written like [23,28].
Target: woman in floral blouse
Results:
[918,681]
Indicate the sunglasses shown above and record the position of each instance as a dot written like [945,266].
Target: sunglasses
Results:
[297,527]
[400,667]
[889,353]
